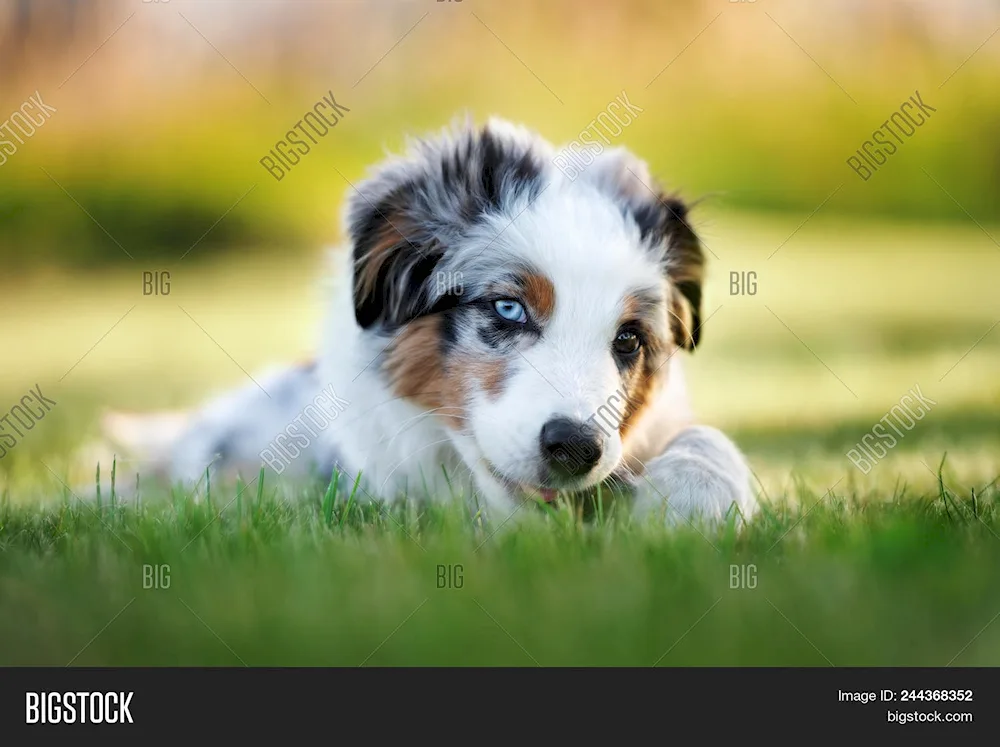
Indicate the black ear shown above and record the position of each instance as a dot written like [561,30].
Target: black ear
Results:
[663,225]
[393,263]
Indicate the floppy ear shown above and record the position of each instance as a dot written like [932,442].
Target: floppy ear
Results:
[663,226]
[684,261]
[393,261]
[409,216]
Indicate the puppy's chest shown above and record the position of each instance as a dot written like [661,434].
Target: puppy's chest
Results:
[403,451]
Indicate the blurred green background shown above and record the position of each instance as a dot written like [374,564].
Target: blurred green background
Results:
[160,127]
[150,163]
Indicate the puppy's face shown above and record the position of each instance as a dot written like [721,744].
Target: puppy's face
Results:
[531,314]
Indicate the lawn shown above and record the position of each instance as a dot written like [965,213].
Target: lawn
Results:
[898,566]
[840,581]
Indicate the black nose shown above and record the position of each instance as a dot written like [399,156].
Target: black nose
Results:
[570,447]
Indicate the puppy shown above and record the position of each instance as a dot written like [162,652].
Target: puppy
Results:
[496,330]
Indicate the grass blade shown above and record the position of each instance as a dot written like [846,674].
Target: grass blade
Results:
[240,487]
[114,470]
[208,487]
[97,479]
[451,488]
[260,487]
[328,499]
[350,500]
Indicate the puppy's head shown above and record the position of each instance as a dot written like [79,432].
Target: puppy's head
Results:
[532,314]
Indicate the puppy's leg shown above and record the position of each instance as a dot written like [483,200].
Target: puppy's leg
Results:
[700,475]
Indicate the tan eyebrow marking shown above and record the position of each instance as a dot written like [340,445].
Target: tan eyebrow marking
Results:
[539,294]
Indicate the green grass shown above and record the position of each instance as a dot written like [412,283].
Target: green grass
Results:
[262,579]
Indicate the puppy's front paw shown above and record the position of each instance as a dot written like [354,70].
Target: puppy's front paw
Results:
[700,476]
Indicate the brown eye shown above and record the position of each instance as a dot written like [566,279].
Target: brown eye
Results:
[627,343]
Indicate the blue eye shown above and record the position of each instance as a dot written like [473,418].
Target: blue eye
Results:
[512,311]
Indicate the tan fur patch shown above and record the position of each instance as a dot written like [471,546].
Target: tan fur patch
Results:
[641,388]
[539,294]
[418,372]
[631,307]
[648,373]
[682,320]
[490,375]
[637,391]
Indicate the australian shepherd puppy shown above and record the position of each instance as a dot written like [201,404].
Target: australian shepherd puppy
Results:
[496,330]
